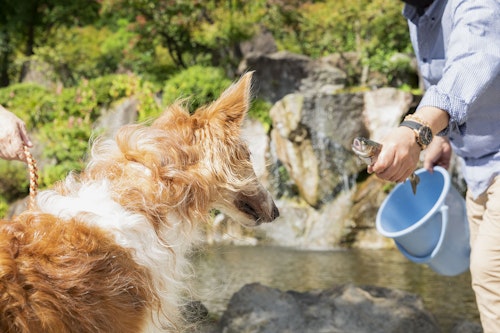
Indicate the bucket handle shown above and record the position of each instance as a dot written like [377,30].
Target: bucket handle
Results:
[444,217]
[443,210]
[444,224]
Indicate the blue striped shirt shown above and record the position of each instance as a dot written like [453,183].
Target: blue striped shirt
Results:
[457,44]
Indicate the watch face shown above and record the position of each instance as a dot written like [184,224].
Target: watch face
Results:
[425,135]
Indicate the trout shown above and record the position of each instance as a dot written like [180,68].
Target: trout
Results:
[368,150]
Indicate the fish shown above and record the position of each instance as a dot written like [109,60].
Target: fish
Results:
[367,150]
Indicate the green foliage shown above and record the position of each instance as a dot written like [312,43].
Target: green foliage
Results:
[66,138]
[14,181]
[259,109]
[228,23]
[77,53]
[167,23]
[388,187]
[63,122]
[31,102]
[200,85]
[373,28]
[4,207]
[26,24]
[65,142]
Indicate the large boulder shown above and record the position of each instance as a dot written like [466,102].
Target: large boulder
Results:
[312,135]
[277,74]
[343,309]
[281,73]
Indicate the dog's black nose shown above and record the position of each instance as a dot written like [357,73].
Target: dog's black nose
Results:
[276,212]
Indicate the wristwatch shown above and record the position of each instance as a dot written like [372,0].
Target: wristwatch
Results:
[423,133]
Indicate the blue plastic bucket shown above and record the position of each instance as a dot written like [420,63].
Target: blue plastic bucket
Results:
[429,227]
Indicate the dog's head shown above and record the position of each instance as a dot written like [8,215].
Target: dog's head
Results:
[200,161]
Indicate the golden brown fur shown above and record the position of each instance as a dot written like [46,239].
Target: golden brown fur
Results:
[67,277]
[105,250]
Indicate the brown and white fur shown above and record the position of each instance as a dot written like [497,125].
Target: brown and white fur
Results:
[105,250]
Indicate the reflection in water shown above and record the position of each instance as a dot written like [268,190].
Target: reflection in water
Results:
[221,271]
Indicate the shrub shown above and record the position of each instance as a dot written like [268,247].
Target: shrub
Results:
[30,102]
[63,122]
[200,85]
[14,180]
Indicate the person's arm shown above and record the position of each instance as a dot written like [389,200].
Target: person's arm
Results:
[473,62]
[13,136]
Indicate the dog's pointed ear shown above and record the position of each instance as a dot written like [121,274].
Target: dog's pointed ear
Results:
[231,107]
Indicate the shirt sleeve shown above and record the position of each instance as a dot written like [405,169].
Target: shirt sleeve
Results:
[472,59]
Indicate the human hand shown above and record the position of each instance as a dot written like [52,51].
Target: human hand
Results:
[438,153]
[13,136]
[399,156]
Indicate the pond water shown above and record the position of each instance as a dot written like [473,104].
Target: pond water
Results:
[222,270]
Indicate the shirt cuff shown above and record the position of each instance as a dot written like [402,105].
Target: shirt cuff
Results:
[455,107]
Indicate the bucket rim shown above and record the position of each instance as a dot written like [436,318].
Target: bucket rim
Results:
[439,202]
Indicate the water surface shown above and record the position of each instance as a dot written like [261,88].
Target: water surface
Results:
[222,270]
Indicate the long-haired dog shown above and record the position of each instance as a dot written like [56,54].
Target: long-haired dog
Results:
[105,251]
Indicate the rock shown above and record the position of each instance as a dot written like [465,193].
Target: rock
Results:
[294,148]
[293,226]
[322,78]
[257,140]
[122,113]
[277,74]
[313,135]
[302,226]
[262,43]
[194,312]
[17,207]
[384,109]
[365,200]
[281,73]
[349,63]
[39,72]
[197,318]
[467,327]
[344,309]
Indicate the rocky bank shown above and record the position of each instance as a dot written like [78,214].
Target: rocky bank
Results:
[342,309]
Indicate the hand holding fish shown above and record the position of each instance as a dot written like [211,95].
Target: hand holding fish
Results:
[371,152]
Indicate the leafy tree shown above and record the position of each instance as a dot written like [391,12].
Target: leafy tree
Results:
[28,23]
[168,22]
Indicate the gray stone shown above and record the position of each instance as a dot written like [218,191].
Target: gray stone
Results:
[277,74]
[343,309]
[313,135]
[122,113]
[467,327]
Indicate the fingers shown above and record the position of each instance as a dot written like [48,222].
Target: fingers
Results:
[13,136]
[399,156]
[15,150]
[393,169]
[13,144]
[438,153]
[24,135]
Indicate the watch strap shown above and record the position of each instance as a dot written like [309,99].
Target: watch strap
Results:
[411,124]
[417,119]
